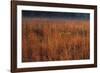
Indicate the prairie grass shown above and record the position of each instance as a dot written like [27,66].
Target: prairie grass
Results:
[55,40]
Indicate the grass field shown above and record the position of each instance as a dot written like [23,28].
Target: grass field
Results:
[55,40]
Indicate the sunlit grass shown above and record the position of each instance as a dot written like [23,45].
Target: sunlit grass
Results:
[52,40]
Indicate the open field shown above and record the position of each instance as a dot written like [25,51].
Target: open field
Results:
[55,40]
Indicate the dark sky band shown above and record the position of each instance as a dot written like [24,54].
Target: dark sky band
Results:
[55,15]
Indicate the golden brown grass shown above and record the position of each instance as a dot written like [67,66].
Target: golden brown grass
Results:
[54,40]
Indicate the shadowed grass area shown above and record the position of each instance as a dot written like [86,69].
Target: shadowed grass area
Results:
[55,40]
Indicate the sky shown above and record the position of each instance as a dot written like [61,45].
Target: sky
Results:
[55,15]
